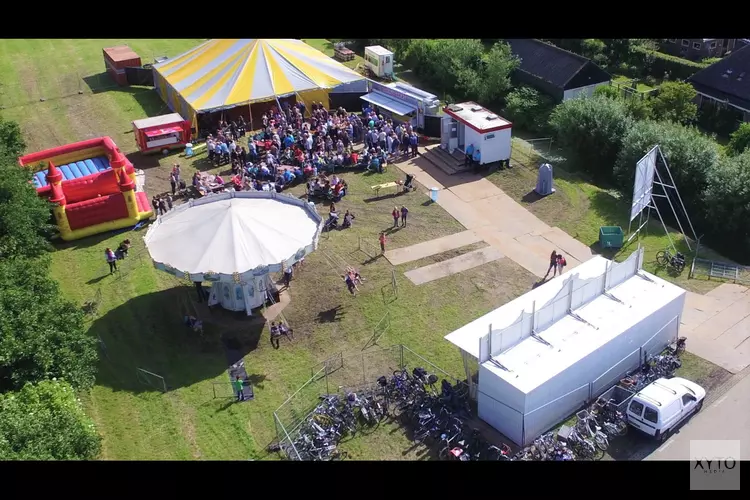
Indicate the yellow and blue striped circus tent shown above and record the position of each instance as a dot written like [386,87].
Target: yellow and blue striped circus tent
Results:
[223,74]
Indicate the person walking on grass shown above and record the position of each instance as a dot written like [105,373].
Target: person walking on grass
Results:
[395,214]
[404,213]
[173,182]
[170,204]
[382,242]
[111,260]
[239,387]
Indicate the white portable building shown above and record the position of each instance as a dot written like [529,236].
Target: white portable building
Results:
[540,357]
[379,60]
[469,123]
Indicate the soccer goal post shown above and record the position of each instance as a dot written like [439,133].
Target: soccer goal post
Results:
[151,379]
[368,248]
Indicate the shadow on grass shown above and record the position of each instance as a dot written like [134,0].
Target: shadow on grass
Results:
[148,332]
[531,197]
[98,239]
[332,315]
[145,96]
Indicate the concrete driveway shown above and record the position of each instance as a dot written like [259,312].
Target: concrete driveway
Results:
[717,326]
[726,419]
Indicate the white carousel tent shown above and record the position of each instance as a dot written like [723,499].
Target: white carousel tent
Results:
[234,240]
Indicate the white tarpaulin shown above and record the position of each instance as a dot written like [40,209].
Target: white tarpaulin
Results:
[644,183]
[233,237]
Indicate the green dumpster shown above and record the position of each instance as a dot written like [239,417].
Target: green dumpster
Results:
[611,237]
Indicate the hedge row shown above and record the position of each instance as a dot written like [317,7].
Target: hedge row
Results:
[677,67]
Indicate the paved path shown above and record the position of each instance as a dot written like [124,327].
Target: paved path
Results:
[432,247]
[464,262]
[717,326]
[499,220]
[727,419]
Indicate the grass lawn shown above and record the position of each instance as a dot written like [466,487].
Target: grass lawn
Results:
[580,208]
[624,80]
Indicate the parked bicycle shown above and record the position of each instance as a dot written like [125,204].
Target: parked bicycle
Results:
[676,262]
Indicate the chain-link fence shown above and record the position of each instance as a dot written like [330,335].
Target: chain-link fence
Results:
[532,152]
[341,374]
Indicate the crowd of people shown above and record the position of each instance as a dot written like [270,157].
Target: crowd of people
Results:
[295,146]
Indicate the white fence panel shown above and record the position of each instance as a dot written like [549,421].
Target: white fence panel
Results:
[545,417]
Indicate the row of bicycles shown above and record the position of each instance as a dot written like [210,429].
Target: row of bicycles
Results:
[437,414]
[663,365]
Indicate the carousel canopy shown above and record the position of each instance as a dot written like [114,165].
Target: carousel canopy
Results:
[233,236]
[220,74]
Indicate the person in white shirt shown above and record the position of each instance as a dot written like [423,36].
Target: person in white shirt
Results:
[211,146]
[381,140]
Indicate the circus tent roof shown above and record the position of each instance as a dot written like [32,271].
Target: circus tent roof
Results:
[226,73]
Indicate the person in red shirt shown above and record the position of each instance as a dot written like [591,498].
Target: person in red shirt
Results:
[382,242]
[395,214]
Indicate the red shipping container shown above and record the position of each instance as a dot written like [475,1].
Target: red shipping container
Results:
[116,59]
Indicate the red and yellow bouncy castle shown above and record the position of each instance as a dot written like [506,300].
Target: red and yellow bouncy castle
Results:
[91,185]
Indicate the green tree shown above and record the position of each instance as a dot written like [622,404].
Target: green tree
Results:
[639,108]
[692,158]
[590,132]
[595,49]
[45,421]
[23,215]
[441,61]
[674,103]
[11,139]
[608,91]
[489,81]
[727,199]
[42,335]
[528,109]
[739,141]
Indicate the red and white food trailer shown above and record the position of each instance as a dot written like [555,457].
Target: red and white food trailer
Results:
[161,133]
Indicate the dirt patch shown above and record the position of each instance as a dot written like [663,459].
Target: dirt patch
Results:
[443,256]
[497,282]
[714,379]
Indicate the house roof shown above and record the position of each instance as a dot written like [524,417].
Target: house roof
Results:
[728,79]
[547,62]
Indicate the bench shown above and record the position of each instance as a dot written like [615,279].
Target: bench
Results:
[378,187]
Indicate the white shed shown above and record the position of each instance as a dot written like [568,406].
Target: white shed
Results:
[543,355]
[379,60]
[469,123]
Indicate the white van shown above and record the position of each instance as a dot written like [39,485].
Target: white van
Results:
[660,406]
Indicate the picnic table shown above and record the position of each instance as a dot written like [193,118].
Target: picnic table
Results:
[386,185]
